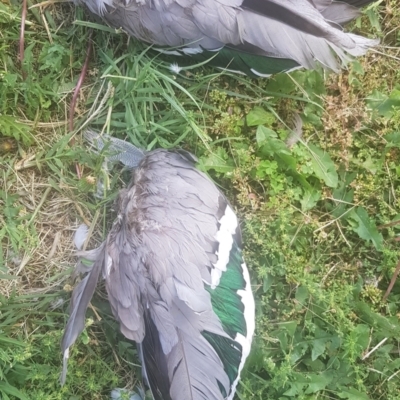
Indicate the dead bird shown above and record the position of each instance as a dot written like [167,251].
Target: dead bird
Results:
[175,278]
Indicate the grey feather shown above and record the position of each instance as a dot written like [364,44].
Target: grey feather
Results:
[190,363]
[81,297]
[156,261]
[340,13]
[117,150]
[303,30]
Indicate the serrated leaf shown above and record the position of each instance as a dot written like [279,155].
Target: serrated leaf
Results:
[393,139]
[370,164]
[310,199]
[258,116]
[275,147]
[319,382]
[323,166]
[295,389]
[373,19]
[383,104]
[365,227]
[10,127]
[218,161]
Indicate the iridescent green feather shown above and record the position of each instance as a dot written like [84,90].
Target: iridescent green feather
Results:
[238,61]
[227,304]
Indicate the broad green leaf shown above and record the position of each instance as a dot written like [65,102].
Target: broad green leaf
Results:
[281,83]
[373,18]
[387,326]
[323,166]
[302,294]
[365,227]
[383,104]
[372,165]
[318,348]
[363,333]
[218,160]
[310,199]
[353,394]
[345,197]
[393,139]
[258,116]
[267,283]
[263,134]
[319,382]
[289,326]
[275,147]
[85,337]
[296,388]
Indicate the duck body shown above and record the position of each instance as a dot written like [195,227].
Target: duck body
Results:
[176,280]
[256,37]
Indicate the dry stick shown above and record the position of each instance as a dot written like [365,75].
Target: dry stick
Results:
[392,281]
[82,77]
[22,38]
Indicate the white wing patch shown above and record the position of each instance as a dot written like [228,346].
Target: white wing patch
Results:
[224,236]
[249,316]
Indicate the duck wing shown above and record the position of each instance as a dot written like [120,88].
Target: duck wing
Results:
[170,250]
[305,32]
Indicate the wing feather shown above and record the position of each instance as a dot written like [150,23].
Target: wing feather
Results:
[81,297]
[301,30]
[158,262]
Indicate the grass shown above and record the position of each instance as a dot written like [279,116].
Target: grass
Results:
[318,205]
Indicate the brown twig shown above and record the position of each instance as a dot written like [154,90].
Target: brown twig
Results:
[397,222]
[392,281]
[22,37]
[82,77]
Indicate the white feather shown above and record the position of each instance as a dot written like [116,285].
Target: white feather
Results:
[224,237]
[80,236]
[175,68]
[249,316]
